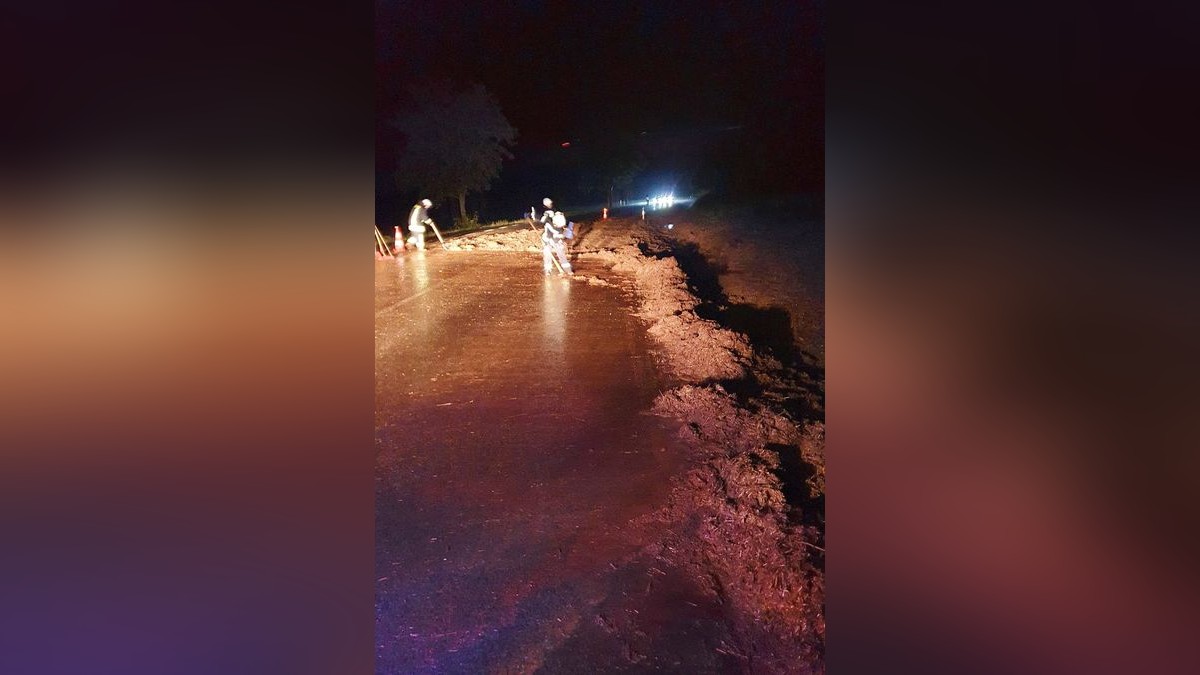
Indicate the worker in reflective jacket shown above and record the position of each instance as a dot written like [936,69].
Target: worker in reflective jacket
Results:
[554,245]
[418,218]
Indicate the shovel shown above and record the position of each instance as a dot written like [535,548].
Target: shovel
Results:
[439,234]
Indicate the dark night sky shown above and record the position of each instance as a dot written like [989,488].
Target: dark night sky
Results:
[569,70]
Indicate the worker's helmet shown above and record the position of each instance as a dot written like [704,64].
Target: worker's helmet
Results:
[426,203]
[547,202]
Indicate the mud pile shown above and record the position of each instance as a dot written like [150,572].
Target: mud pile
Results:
[753,421]
[515,238]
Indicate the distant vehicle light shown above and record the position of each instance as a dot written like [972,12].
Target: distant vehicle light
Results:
[663,201]
[566,144]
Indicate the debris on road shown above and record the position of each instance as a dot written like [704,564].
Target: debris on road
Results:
[525,240]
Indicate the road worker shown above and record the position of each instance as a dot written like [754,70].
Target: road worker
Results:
[554,236]
[417,220]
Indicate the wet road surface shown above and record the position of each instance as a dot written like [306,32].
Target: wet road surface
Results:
[514,459]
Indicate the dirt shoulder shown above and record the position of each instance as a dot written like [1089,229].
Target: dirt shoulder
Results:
[744,353]
[768,271]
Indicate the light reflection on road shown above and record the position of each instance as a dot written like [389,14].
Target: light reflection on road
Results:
[411,279]
[556,294]
[414,263]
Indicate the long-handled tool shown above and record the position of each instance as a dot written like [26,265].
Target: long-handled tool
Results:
[552,257]
[381,244]
[439,234]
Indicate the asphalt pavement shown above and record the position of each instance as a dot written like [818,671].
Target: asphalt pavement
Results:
[516,467]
